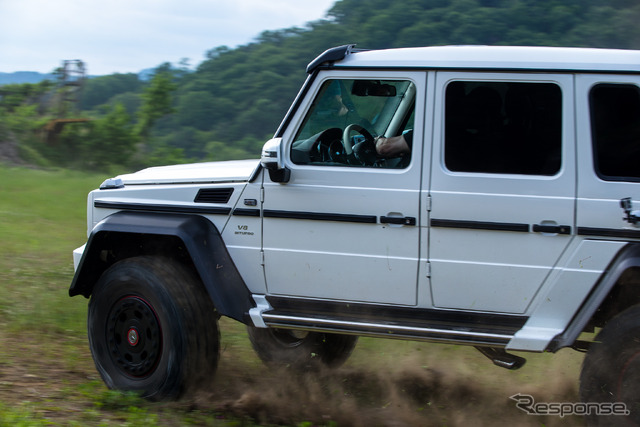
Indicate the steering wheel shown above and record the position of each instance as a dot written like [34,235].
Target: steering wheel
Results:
[348,148]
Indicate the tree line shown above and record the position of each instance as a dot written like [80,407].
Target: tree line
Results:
[233,101]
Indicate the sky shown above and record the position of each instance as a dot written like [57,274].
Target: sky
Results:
[122,36]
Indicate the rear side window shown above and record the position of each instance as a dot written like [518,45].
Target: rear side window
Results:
[503,127]
[615,127]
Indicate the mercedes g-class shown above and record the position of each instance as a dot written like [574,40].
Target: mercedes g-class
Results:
[510,224]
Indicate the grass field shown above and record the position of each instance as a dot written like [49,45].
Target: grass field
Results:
[47,376]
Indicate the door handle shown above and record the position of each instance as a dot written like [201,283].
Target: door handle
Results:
[407,220]
[552,228]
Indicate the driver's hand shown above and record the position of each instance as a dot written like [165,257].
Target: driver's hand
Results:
[394,146]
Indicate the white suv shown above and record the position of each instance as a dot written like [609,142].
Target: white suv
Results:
[509,224]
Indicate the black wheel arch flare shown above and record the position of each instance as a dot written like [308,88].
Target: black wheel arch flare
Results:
[200,238]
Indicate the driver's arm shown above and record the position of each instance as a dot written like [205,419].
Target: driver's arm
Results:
[395,146]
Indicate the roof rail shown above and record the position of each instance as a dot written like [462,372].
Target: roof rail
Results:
[330,55]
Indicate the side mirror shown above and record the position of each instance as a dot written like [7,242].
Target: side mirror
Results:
[271,160]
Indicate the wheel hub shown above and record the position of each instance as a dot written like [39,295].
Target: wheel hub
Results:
[134,336]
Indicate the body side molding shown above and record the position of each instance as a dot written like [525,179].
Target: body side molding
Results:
[149,207]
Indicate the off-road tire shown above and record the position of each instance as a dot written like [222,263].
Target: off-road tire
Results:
[611,369]
[300,349]
[153,328]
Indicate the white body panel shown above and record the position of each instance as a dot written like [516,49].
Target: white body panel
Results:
[230,171]
[566,288]
[243,238]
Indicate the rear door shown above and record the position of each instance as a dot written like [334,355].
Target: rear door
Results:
[503,187]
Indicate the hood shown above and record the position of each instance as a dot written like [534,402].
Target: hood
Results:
[229,171]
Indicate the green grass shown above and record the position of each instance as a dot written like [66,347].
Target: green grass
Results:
[41,211]
[43,219]
[47,375]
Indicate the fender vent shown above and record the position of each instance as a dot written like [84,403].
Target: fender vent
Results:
[214,195]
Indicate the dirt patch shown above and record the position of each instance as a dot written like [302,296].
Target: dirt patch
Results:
[30,373]
[403,393]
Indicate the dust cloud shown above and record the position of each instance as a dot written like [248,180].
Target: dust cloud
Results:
[406,387]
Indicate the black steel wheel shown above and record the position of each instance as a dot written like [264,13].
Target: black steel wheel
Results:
[134,336]
[152,328]
[301,349]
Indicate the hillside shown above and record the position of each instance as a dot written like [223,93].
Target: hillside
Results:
[235,99]
[20,77]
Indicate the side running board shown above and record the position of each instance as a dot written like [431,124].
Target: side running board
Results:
[423,332]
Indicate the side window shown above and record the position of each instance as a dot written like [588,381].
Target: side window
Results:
[615,125]
[503,127]
[345,118]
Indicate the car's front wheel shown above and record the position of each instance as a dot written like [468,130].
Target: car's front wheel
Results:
[152,328]
[301,349]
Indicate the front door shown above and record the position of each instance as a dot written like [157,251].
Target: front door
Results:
[346,224]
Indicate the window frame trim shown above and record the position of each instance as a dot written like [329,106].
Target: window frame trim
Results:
[592,129]
[506,78]
[312,87]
